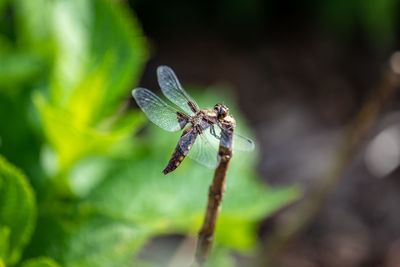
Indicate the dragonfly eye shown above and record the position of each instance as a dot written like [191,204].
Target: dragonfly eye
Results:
[221,110]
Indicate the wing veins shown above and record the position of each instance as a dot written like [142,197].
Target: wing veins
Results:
[172,89]
[159,112]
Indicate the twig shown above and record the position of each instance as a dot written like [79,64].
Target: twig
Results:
[302,216]
[215,196]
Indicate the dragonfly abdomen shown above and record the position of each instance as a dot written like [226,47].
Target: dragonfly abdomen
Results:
[182,149]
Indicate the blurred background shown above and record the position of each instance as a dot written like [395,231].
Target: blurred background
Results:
[314,83]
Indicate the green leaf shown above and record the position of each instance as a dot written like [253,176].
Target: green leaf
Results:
[78,240]
[17,209]
[17,68]
[100,40]
[4,241]
[99,53]
[87,173]
[73,141]
[3,3]
[40,262]
[18,142]
[104,242]
[139,192]
[33,25]
[118,35]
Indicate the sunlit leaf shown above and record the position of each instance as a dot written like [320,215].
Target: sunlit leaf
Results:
[87,173]
[33,22]
[73,141]
[100,52]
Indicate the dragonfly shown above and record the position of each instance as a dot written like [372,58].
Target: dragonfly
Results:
[202,128]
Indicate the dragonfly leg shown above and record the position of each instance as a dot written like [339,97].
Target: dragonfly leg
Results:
[212,131]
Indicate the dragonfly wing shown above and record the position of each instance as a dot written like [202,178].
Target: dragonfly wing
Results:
[205,148]
[240,143]
[173,90]
[159,112]
[204,151]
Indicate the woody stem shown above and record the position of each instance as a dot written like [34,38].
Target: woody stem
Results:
[215,196]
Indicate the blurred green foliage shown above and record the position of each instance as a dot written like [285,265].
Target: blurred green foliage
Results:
[376,19]
[40,262]
[66,68]
[17,212]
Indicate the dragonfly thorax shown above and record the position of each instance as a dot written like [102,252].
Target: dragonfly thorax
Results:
[203,119]
[228,122]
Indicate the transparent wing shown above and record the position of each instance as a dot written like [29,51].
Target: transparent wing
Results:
[173,90]
[240,143]
[159,112]
[204,151]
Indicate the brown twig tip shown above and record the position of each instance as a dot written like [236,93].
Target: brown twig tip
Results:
[215,197]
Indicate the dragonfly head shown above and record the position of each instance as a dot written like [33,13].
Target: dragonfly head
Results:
[221,110]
